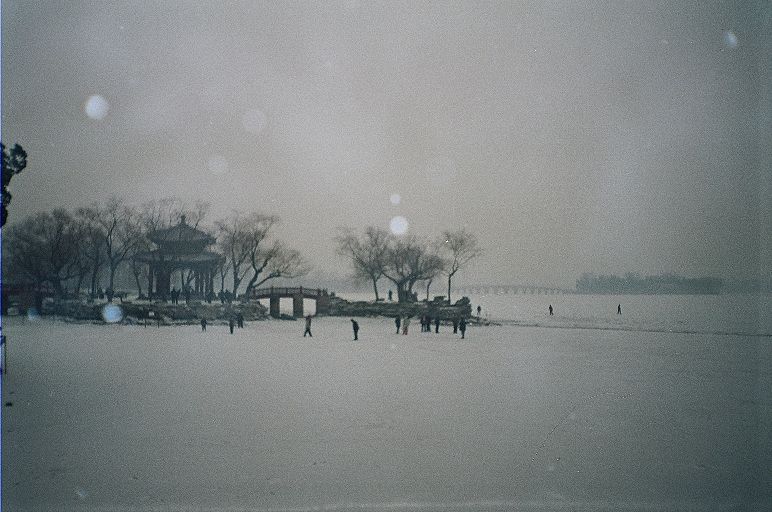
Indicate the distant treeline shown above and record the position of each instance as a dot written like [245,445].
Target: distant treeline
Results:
[660,284]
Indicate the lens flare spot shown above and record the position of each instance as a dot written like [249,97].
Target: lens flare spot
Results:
[218,164]
[395,199]
[112,314]
[96,107]
[254,121]
[730,39]
[398,225]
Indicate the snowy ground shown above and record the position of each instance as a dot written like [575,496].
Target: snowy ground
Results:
[133,418]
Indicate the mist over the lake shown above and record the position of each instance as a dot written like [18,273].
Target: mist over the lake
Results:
[601,137]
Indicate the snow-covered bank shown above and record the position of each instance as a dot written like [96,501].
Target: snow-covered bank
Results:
[171,418]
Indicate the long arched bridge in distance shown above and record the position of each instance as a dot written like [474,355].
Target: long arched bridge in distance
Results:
[297,294]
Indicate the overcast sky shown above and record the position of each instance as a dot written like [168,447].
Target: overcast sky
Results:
[606,137]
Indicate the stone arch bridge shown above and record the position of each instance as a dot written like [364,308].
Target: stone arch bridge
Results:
[297,294]
[510,289]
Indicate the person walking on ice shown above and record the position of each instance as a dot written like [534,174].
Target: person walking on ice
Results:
[619,309]
[355,326]
[231,324]
[405,325]
[397,322]
[203,324]
[550,309]
[308,327]
[462,327]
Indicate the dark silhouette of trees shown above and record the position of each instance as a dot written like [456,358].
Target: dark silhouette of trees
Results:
[121,231]
[459,248]
[244,242]
[409,260]
[43,249]
[367,253]
[14,161]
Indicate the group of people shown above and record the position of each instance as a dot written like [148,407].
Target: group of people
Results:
[426,324]
[236,320]
[354,326]
[459,325]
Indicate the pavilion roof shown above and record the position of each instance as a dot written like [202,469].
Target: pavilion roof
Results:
[182,232]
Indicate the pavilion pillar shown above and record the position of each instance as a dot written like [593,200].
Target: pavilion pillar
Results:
[274,306]
[297,305]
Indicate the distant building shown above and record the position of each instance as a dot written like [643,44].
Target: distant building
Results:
[181,247]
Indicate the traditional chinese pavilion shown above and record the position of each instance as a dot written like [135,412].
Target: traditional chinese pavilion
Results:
[180,248]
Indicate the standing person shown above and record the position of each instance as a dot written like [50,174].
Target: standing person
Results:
[455,325]
[405,325]
[231,324]
[437,325]
[308,327]
[479,310]
[355,326]
[619,309]
[389,295]
[240,320]
[550,309]
[462,327]
[203,324]
[397,322]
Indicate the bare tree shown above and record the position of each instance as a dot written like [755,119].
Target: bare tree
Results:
[43,248]
[274,262]
[122,234]
[233,238]
[409,260]
[93,243]
[367,253]
[460,247]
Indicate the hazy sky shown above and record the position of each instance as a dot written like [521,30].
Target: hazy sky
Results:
[607,137]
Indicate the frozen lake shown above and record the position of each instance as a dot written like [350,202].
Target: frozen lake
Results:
[525,418]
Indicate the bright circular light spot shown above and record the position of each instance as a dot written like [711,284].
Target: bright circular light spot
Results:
[395,199]
[254,121]
[398,225]
[112,314]
[730,39]
[96,107]
[218,164]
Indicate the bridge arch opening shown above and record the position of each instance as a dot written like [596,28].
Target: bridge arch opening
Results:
[286,305]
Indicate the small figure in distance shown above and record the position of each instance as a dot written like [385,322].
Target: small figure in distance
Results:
[203,324]
[462,327]
[397,321]
[619,309]
[455,325]
[437,325]
[355,326]
[308,327]
[405,325]
[479,310]
[231,324]
[389,295]
[550,309]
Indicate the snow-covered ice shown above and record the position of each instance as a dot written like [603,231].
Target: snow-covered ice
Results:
[113,417]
